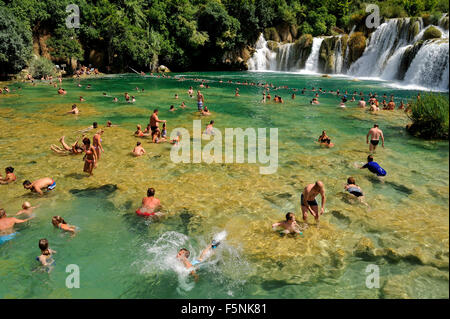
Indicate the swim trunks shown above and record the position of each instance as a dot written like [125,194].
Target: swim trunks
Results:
[154,128]
[199,105]
[145,214]
[310,202]
[374,142]
[52,186]
[355,191]
[5,238]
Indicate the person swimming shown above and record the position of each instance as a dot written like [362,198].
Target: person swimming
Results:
[352,188]
[9,176]
[27,209]
[374,167]
[46,257]
[60,223]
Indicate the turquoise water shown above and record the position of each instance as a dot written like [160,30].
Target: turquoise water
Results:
[404,231]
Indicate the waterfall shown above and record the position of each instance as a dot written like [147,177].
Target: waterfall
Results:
[430,65]
[383,43]
[394,51]
[312,64]
[339,57]
[263,58]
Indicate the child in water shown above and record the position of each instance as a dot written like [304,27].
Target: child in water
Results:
[27,209]
[45,258]
[289,225]
[60,223]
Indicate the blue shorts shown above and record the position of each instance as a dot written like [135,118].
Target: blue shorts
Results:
[5,238]
[199,105]
[52,186]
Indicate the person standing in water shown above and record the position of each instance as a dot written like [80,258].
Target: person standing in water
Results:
[200,100]
[308,200]
[90,157]
[375,134]
[97,143]
[154,120]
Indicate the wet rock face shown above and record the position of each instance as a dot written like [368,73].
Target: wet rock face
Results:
[356,45]
[407,58]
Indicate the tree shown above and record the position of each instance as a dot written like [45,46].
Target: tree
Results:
[15,43]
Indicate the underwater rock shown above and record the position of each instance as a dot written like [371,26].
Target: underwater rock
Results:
[102,191]
[364,249]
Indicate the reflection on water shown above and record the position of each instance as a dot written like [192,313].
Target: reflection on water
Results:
[404,229]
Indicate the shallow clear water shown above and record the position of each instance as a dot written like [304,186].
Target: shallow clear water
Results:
[404,232]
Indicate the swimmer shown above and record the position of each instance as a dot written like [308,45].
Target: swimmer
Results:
[209,130]
[38,185]
[183,106]
[60,223]
[352,188]
[149,205]
[289,225]
[205,111]
[9,176]
[82,99]
[7,226]
[138,150]
[164,131]
[74,110]
[62,91]
[308,200]
[27,209]
[115,99]
[176,96]
[75,149]
[362,103]
[183,255]
[375,133]
[45,258]
[374,167]
[172,108]
[94,126]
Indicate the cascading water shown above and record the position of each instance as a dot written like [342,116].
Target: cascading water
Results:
[383,43]
[312,63]
[395,51]
[430,65]
[263,58]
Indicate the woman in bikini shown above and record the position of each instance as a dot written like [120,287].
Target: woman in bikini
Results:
[90,157]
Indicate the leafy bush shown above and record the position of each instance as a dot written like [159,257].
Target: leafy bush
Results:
[430,116]
[41,67]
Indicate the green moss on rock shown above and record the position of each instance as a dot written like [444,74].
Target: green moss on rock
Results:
[431,33]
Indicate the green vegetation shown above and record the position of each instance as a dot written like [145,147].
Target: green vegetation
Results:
[41,67]
[430,117]
[182,34]
[431,33]
[15,44]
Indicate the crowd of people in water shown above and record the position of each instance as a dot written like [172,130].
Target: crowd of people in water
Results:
[156,130]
